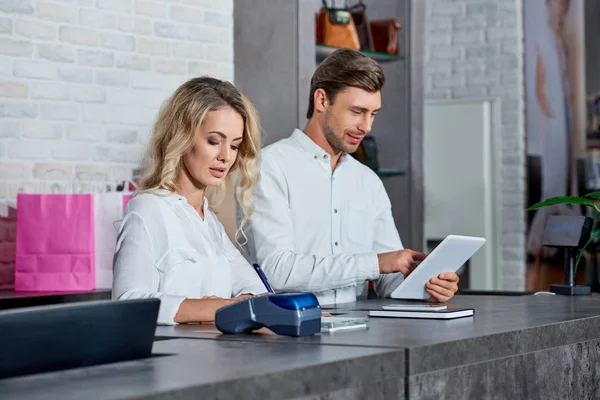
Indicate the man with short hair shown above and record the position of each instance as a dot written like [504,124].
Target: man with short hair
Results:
[322,221]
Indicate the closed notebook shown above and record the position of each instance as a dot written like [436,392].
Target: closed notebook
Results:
[442,314]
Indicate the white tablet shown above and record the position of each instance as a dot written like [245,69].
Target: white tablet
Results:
[448,256]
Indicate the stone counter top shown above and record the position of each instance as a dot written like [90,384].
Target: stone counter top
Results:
[502,327]
[211,369]
[514,347]
[11,299]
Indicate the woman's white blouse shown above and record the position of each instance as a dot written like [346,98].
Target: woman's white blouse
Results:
[165,250]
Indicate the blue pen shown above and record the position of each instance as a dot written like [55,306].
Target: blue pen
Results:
[263,277]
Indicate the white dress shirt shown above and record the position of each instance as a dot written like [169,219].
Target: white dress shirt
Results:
[165,250]
[320,231]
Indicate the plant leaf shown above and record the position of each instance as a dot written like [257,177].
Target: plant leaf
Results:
[594,236]
[573,200]
[593,195]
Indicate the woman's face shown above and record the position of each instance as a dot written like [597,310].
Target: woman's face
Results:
[216,144]
[557,12]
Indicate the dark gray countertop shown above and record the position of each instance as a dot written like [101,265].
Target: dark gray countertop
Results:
[502,326]
[11,294]
[212,369]
[380,362]
[11,299]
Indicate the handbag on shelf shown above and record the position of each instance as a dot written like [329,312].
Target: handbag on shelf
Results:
[385,35]
[365,37]
[335,27]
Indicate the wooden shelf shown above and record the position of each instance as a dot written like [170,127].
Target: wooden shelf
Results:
[592,140]
[324,51]
[390,172]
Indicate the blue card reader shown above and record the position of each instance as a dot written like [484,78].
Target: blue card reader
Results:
[290,314]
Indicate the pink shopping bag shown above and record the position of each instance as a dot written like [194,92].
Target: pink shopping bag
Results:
[55,248]
[66,242]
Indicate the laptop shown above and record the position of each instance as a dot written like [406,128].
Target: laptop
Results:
[58,337]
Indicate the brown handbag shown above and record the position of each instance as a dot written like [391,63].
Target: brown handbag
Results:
[335,27]
[385,35]
[359,15]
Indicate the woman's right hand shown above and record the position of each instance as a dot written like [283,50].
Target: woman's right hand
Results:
[201,310]
[215,302]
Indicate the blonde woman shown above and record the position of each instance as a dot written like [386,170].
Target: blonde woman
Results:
[171,245]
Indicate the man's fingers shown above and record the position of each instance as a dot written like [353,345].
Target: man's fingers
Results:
[435,296]
[450,285]
[440,290]
[418,256]
[449,276]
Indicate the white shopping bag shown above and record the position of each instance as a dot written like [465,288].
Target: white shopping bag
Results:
[109,209]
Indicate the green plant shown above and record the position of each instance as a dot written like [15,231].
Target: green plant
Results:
[586,200]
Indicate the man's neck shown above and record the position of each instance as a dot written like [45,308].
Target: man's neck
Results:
[315,133]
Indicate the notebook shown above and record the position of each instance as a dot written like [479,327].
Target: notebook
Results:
[450,313]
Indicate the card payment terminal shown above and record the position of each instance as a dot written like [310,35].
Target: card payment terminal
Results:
[291,314]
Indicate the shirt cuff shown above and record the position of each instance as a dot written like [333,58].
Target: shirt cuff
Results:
[254,290]
[169,305]
[368,267]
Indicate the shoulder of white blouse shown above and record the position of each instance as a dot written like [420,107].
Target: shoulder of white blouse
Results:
[149,209]
[147,204]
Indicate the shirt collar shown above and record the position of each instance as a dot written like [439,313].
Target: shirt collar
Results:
[177,199]
[313,149]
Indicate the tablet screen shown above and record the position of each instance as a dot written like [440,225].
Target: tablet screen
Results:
[448,256]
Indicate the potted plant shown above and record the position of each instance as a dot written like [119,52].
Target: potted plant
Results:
[587,200]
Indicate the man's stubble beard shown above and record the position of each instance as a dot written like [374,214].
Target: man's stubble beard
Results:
[336,142]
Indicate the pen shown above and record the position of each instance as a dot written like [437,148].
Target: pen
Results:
[263,277]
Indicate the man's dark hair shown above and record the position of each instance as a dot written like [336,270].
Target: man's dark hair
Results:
[344,68]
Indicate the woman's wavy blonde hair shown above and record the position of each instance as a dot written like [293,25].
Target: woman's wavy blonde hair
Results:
[173,137]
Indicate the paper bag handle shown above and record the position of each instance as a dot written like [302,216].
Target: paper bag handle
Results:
[54,186]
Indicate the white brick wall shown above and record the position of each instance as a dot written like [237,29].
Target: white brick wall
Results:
[475,50]
[81,81]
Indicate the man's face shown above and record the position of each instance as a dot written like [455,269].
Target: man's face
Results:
[350,117]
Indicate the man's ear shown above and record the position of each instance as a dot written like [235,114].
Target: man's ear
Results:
[320,100]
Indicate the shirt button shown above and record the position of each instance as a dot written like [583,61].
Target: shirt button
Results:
[335,210]
[336,243]
[325,156]
[316,157]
